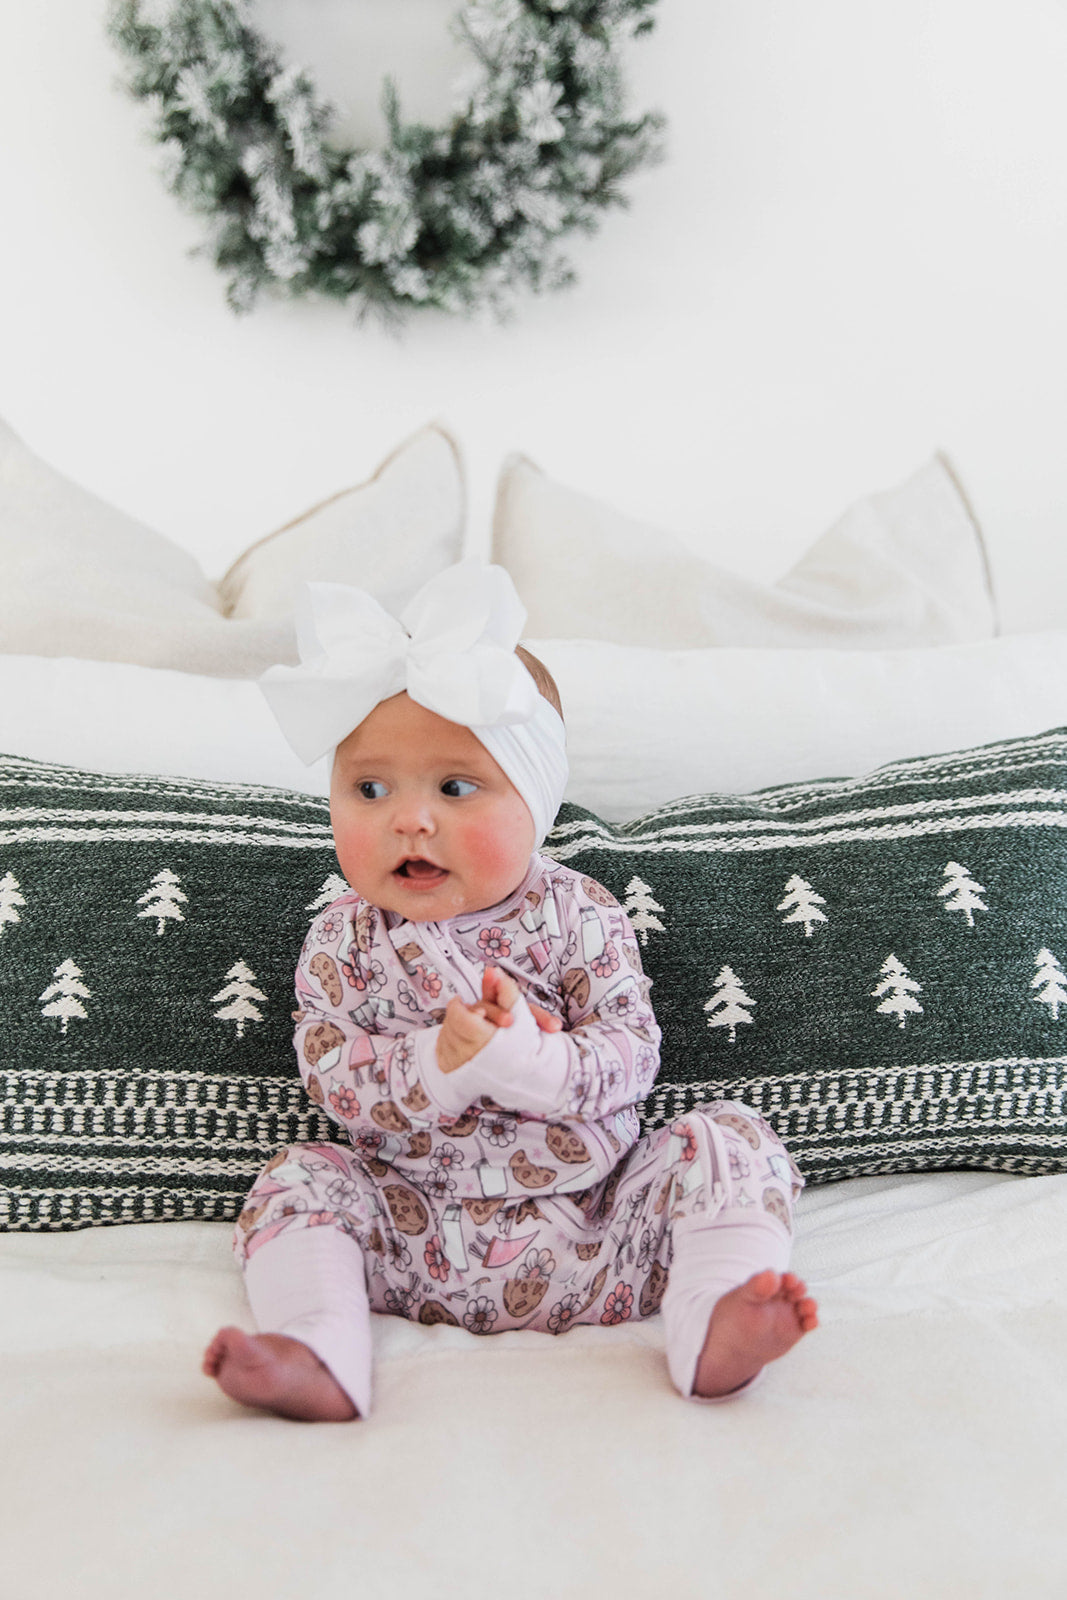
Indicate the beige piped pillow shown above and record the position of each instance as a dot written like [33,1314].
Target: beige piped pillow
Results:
[903,568]
[81,578]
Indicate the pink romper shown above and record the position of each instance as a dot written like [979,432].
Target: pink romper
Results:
[515,1192]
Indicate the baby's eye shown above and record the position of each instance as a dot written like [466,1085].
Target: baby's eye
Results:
[456,787]
[371,789]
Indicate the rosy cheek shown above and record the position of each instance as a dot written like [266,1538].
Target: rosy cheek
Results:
[501,851]
[354,842]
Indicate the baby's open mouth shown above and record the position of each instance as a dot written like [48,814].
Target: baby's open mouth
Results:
[418,870]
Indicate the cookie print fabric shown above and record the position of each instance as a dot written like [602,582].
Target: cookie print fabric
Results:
[606,1255]
[532,1113]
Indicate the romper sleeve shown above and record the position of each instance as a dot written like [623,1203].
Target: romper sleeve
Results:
[607,1056]
[341,997]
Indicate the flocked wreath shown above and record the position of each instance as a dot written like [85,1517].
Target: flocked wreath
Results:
[459,217]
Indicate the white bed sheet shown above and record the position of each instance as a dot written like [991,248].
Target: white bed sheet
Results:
[914,1446]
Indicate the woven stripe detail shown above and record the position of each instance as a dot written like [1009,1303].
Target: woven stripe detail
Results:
[916,1113]
[652,844]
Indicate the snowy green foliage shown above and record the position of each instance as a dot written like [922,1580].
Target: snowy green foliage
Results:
[459,218]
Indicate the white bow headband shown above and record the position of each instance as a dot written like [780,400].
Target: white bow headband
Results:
[453,651]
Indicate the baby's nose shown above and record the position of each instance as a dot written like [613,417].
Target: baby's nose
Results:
[414,815]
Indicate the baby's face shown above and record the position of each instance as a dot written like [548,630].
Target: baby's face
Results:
[424,820]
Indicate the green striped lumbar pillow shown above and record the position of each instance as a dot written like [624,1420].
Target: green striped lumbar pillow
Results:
[878,964]
[149,929]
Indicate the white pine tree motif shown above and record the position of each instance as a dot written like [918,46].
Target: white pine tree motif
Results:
[332,889]
[803,904]
[962,892]
[1052,982]
[66,994]
[640,907]
[10,899]
[240,989]
[164,900]
[727,1007]
[900,990]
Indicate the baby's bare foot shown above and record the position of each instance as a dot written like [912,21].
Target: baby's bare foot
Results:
[278,1374]
[751,1325]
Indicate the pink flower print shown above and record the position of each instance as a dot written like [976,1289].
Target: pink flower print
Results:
[437,1185]
[319,1219]
[564,1313]
[607,961]
[447,1157]
[623,1004]
[344,1102]
[400,1301]
[495,944]
[436,1260]
[646,1061]
[739,1167]
[397,1250]
[370,980]
[407,996]
[618,1305]
[537,1264]
[342,1192]
[367,1145]
[480,1315]
[331,927]
[689,1147]
[429,980]
[498,1129]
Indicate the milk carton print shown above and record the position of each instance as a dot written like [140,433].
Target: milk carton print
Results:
[593,940]
[543,920]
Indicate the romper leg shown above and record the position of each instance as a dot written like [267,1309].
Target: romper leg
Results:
[736,1223]
[299,1239]
[311,1285]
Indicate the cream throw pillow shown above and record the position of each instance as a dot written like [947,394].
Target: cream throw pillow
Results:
[902,568]
[389,535]
[81,578]
[646,726]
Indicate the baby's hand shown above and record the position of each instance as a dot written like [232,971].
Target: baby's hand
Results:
[499,994]
[464,1032]
[467,1029]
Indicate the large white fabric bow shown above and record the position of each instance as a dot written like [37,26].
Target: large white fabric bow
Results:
[453,650]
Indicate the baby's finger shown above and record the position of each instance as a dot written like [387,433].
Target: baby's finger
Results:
[499,987]
[464,1021]
[493,1014]
[547,1021]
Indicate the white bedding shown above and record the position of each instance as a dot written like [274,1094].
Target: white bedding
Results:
[913,1447]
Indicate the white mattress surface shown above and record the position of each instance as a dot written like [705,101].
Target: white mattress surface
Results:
[915,1445]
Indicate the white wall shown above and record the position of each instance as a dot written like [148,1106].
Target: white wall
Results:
[855,254]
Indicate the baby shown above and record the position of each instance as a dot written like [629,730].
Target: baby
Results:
[475,1017]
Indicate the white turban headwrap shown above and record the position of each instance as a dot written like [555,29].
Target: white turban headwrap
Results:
[453,651]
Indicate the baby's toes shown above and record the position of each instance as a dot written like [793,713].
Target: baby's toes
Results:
[807,1314]
[215,1354]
